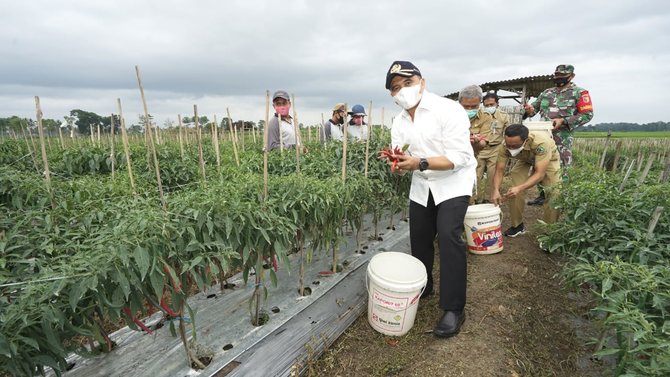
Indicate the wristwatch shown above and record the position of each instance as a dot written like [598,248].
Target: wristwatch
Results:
[423,164]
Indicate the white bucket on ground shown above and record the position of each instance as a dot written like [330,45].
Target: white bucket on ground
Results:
[396,281]
[483,229]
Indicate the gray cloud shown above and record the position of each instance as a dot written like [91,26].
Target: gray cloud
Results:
[79,54]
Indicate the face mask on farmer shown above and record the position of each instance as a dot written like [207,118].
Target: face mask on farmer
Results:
[282,110]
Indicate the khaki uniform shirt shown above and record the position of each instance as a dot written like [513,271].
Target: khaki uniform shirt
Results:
[481,124]
[500,122]
[538,147]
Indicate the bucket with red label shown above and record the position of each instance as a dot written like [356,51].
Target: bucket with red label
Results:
[483,229]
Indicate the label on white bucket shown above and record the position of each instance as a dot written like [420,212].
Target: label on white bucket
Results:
[483,229]
[396,281]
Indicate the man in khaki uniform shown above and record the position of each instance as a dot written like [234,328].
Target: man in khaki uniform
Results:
[536,150]
[485,136]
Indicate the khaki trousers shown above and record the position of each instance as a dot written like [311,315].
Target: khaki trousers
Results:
[550,182]
[486,162]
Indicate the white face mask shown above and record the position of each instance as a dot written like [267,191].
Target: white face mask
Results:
[408,96]
[515,152]
[490,109]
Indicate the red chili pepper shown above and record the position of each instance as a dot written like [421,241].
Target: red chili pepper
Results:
[393,155]
[176,286]
[139,323]
[167,309]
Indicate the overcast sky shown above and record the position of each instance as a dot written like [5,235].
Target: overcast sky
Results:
[226,54]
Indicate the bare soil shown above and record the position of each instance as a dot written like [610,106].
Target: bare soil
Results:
[520,321]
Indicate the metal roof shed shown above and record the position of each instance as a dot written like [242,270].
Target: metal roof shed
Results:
[523,88]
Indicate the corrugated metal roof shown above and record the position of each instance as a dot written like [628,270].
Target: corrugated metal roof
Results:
[534,86]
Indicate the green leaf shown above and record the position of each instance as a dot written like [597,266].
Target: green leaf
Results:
[157,281]
[142,259]
[606,285]
[76,293]
[607,352]
[123,283]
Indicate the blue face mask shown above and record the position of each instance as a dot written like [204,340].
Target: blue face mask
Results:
[472,113]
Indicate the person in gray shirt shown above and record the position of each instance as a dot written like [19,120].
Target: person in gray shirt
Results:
[281,132]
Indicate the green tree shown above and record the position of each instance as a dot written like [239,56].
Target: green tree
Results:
[87,121]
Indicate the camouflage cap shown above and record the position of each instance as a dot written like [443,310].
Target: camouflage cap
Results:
[564,69]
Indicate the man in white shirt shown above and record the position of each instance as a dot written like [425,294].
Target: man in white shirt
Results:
[443,165]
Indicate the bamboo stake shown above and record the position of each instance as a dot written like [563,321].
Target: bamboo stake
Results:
[296,130]
[281,139]
[625,179]
[237,157]
[344,147]
[31,150]
[181,136]
[647,168]
[60,137]
[323,129]
[367,140]
[265,146]
[666,171]
[111,154]
[654,220]
[47,173]
[201,159]
[90,129]
[99,139]
[151,140]
[215,139]
[617,155]
[126,149]
[253,134]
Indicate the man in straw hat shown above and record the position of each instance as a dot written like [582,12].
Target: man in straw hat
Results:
[442,163]
[332,128]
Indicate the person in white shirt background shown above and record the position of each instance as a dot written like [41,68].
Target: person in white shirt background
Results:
[443,164]
[357,128]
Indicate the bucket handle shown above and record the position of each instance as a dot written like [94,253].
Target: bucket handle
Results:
[367,289]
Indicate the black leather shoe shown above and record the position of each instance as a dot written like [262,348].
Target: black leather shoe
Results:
[450,324]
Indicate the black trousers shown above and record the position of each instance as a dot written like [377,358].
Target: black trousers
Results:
[445,220]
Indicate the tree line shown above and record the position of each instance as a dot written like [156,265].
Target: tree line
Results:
[84,122]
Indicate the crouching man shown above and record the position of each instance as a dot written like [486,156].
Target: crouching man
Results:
[537,150]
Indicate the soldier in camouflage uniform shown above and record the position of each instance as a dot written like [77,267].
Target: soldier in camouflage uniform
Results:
[568,106]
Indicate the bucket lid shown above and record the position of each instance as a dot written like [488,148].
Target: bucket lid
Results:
[399,270]
[479,208]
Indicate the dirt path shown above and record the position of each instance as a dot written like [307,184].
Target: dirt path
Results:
[519,322]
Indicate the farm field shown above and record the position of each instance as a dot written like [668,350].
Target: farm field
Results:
[624,135]
[96,245]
